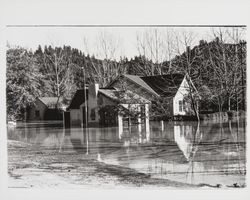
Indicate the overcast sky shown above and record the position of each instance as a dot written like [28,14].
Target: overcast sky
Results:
[86,38]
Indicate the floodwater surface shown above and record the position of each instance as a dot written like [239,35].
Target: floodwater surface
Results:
[187,152]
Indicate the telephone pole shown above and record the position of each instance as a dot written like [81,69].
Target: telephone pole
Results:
[86,110]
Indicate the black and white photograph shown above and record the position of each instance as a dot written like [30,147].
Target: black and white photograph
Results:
[149,106]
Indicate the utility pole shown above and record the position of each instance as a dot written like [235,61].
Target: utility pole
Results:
[86,110]
[85,98]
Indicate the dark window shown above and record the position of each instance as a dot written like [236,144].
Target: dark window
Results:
[92,114]
[37,113]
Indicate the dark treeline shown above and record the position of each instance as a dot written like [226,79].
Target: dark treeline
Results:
[218,70]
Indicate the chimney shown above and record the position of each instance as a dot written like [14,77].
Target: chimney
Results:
[96,88]
[93,89]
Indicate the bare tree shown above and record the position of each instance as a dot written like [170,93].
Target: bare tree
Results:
[103,71]
[189,63]
[237,35]
[157,46]
[56,69]
[226,57]
[184,41]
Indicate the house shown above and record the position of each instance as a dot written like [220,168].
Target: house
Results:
[104,106]
[76,108]
[114,105]
[45,108]
[131,94]
[174,88]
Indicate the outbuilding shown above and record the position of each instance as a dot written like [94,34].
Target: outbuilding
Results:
[46,108]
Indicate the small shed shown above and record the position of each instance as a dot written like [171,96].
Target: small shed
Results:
[46,108]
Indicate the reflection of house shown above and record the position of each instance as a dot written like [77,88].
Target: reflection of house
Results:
[132,93]
[45,109]
[185,138]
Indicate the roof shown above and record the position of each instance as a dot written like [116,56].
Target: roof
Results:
[78,99]
[110,93]
[164,85]
[138,80]
[50,101]
[123,96]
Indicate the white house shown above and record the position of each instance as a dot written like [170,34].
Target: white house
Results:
[174,88]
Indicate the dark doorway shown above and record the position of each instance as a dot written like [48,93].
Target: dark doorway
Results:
[66,119]
[53,114]
[37,113]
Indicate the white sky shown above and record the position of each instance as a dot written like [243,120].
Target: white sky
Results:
[30,12]
[31,37]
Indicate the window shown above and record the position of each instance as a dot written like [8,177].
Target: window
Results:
[180,106]
[37,113]
[92,114]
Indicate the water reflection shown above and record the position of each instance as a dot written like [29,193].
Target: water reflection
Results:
[187,138]
[182,151]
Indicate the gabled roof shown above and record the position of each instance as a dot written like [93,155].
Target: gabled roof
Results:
[123,96]
[78,99]
[50,101]
[164,85]
[160,85]
[138,80]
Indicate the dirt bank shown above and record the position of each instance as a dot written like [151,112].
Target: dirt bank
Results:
[30,167]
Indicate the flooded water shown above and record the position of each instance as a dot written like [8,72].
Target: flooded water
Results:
[188,152]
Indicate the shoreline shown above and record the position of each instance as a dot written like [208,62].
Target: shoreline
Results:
[30,168]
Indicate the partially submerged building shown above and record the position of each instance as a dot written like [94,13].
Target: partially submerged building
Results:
[173,88]
[105,107]
[46,108]
[129,95]
[76,109]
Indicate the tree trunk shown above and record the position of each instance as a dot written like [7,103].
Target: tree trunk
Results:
[229,104]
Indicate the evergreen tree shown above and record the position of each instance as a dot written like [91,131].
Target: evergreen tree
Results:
[21,81]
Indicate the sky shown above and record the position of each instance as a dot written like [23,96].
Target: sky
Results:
[86,38]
